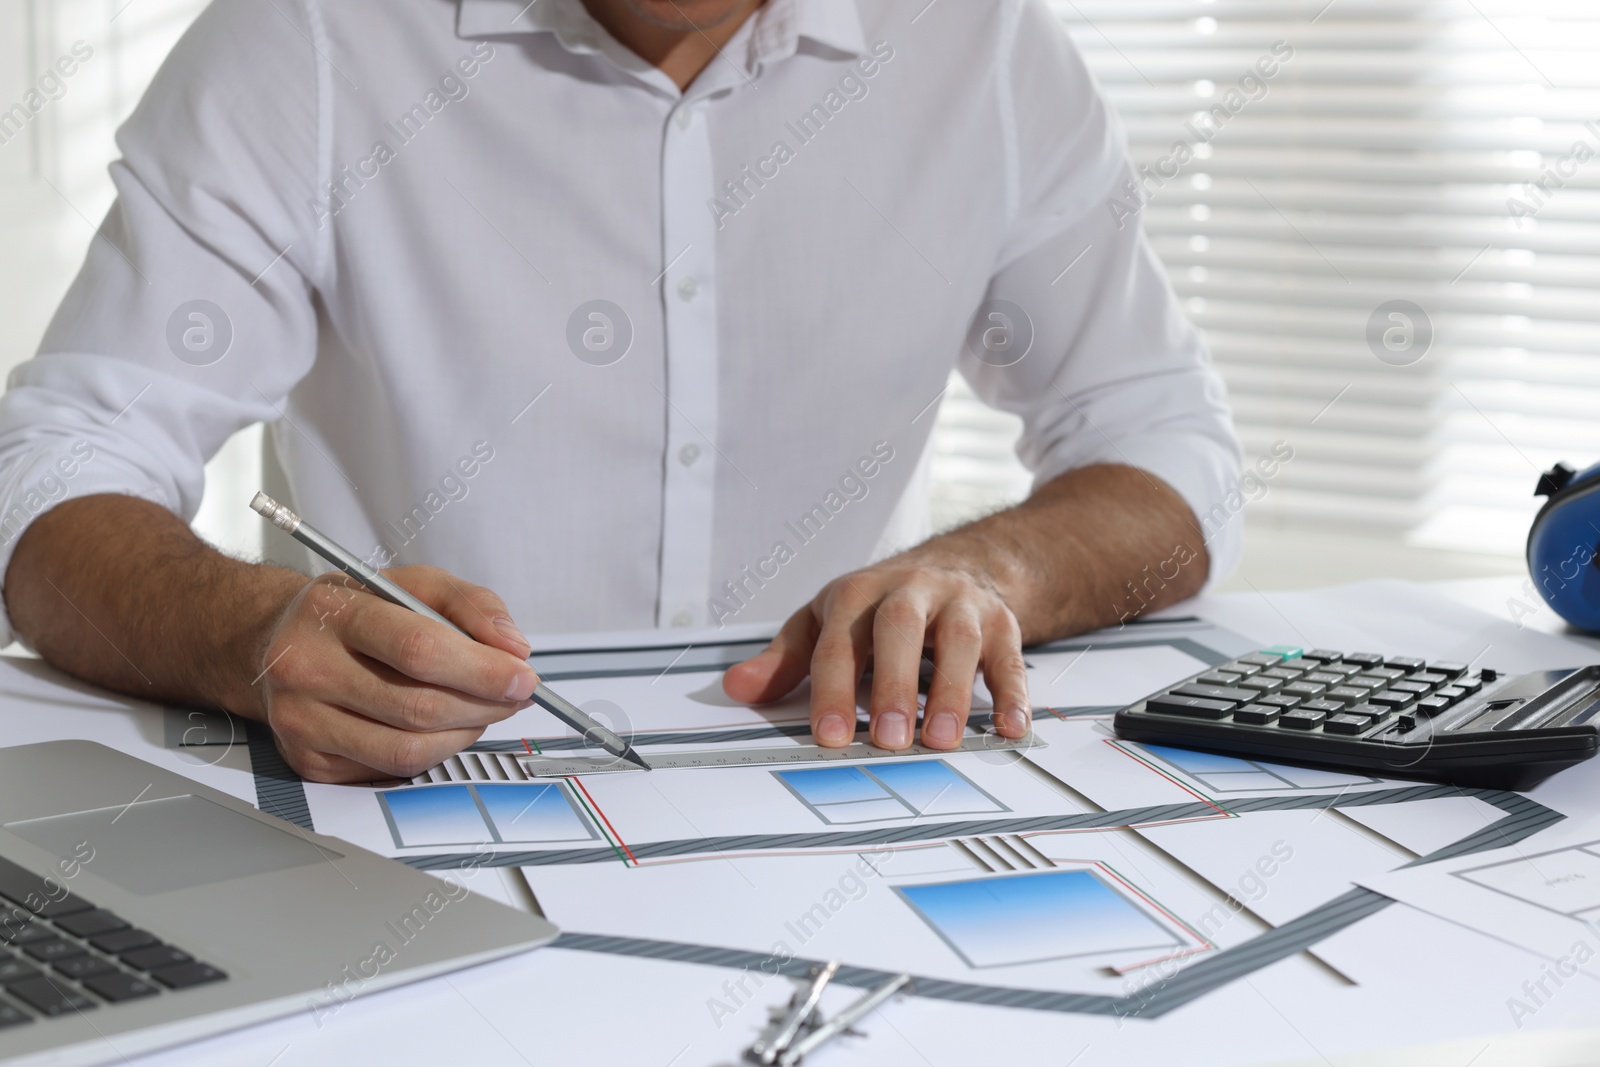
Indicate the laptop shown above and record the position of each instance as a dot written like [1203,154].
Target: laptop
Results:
[139,909]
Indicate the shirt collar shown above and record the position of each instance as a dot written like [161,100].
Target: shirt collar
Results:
[778,27]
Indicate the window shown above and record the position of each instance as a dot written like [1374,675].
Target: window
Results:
[1437,152]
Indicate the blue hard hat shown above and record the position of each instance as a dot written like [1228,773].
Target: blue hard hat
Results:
[1564,543]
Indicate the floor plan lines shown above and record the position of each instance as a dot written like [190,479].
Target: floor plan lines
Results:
[483,813]
[887,791]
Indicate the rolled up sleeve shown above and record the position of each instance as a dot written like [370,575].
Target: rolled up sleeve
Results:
[192,316]
[1099,361]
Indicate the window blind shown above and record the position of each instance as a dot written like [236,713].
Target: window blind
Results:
[1435,160]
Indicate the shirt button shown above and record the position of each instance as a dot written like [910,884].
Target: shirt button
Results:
[683,618]
[685,117]
[688,289]
[688,454]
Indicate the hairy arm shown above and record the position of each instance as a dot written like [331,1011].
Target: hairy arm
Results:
[120,592]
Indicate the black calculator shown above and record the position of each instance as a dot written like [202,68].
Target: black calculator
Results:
[1394,716]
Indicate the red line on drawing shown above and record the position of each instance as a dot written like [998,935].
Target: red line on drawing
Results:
[1150,766]
[620,843]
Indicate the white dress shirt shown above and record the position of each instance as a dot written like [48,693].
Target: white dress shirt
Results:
[514,305]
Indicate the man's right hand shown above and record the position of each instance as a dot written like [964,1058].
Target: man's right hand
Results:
[356,688]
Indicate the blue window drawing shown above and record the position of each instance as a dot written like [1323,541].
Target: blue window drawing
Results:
[901,789]
[483,813]
[1230,774]
[1030,918]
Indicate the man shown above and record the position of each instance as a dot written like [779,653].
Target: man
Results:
[635,310]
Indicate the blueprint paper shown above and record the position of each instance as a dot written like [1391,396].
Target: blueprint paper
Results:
[1167,948]
[1152,860]
[1542,893]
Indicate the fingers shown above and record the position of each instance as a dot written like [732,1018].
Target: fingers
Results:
[421,649]
[383,694]
[1006,674]
[328,743]
[773,672]
[473,608]
[837,660]
[897,638]
[957,650]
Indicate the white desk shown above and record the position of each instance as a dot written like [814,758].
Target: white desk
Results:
[643,1013]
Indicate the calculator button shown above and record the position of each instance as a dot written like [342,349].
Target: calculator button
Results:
[1322,655]
[1300,663]
[1261,684]
[1403,663]
[1454,670]
[1332,707]
[1324,678]
[1432,705]
[1309,690]
[1365,659]
[1451,693]
[1344,670]
[1257,714]
[1347,694]
[1283,651]
[1406,722]
[1239,666]
[1215,692]
[1281,672]
[1388,674]
[1468,685]
[1280,700]
[1432,678]
[1489,674]
[1189,707]
[1261,659]
[1217,678]
[1392,700]
[1346,724]
[1301,720]
[1415,688]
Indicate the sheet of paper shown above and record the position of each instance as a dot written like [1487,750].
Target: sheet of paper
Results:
[39,703]
[1542,894]
[1035,917]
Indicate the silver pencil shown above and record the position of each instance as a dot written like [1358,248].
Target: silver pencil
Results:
[340,557]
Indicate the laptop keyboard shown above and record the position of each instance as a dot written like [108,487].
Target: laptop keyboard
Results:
[61,955]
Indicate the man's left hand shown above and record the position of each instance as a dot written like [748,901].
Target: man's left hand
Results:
[888,615]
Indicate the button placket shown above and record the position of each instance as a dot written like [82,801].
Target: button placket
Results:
[692,381]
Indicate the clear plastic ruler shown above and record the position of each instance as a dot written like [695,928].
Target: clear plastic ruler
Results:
[668,759]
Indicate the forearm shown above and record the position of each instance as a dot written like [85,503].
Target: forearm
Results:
[1089,548]
[120,592]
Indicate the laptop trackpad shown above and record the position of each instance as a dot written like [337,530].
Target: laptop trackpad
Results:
[154,846]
